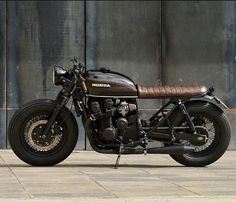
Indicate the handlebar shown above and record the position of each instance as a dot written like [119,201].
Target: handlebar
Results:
[78,67]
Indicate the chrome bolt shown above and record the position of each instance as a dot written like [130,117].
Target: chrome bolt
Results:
[44,136]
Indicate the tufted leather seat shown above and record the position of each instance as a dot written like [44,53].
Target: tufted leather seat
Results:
[171,91]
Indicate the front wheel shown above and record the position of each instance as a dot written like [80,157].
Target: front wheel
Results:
[30,145]
[215,126]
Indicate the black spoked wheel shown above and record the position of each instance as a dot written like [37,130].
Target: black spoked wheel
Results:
[211,123]
[28,141]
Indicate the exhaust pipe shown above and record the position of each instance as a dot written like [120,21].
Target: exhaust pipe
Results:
[174,149]
[180,149]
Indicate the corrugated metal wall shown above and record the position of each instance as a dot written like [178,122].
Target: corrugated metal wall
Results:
[167,42]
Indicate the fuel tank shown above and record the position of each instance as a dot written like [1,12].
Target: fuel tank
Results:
[107,83]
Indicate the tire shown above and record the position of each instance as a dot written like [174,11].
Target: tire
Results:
[24,130]
[221,140]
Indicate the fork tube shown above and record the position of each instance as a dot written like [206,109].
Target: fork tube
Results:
[62,101]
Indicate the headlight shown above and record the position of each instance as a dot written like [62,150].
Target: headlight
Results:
[58,74]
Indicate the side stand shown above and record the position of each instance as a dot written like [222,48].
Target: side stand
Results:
[118,157]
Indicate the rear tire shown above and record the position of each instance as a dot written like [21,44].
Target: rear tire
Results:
[218,145]
[29,145]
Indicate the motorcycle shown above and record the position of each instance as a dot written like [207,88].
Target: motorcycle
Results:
[190,126]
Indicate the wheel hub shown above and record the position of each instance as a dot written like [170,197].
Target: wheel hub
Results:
[40,142]
[202,137]
[206,129]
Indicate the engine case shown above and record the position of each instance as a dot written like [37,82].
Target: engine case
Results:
[112,125]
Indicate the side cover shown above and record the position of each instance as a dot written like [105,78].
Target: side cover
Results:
[109,84]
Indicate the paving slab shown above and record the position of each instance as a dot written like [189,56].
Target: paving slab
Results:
[90,176]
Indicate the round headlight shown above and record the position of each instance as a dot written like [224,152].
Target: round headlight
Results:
[58,74]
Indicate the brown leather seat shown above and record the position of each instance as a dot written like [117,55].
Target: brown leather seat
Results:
[171,91]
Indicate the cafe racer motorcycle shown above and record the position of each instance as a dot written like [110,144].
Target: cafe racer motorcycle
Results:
[190,126]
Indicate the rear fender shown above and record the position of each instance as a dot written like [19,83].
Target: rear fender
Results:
[199,103]
[202,103]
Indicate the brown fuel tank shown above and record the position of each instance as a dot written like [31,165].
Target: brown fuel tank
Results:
[106,83]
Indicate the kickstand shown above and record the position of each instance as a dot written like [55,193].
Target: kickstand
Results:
[118,157]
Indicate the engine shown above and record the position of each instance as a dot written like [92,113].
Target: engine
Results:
[116,120]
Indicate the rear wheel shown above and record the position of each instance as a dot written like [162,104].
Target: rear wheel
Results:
[28,142]
[216,128]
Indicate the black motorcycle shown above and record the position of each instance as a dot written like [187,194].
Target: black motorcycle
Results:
[190,127]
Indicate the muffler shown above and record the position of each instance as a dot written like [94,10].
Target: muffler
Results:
[180,149]
[175,149]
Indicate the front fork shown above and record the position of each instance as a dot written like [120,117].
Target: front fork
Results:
[61,101]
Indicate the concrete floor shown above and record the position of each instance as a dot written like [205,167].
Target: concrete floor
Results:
[89,176]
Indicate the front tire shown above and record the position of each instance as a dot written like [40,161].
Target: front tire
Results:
[215,147]
[28,143]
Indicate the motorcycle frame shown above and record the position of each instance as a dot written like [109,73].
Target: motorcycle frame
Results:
[76,88]
[79,102]
[178,104]
[77,92]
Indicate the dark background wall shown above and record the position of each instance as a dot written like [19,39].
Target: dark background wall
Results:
[161,42]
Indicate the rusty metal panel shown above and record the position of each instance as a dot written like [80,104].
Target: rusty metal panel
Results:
[41,34]
[200,47]
[195,47]
[230,51]
[125,37]
[3,74]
